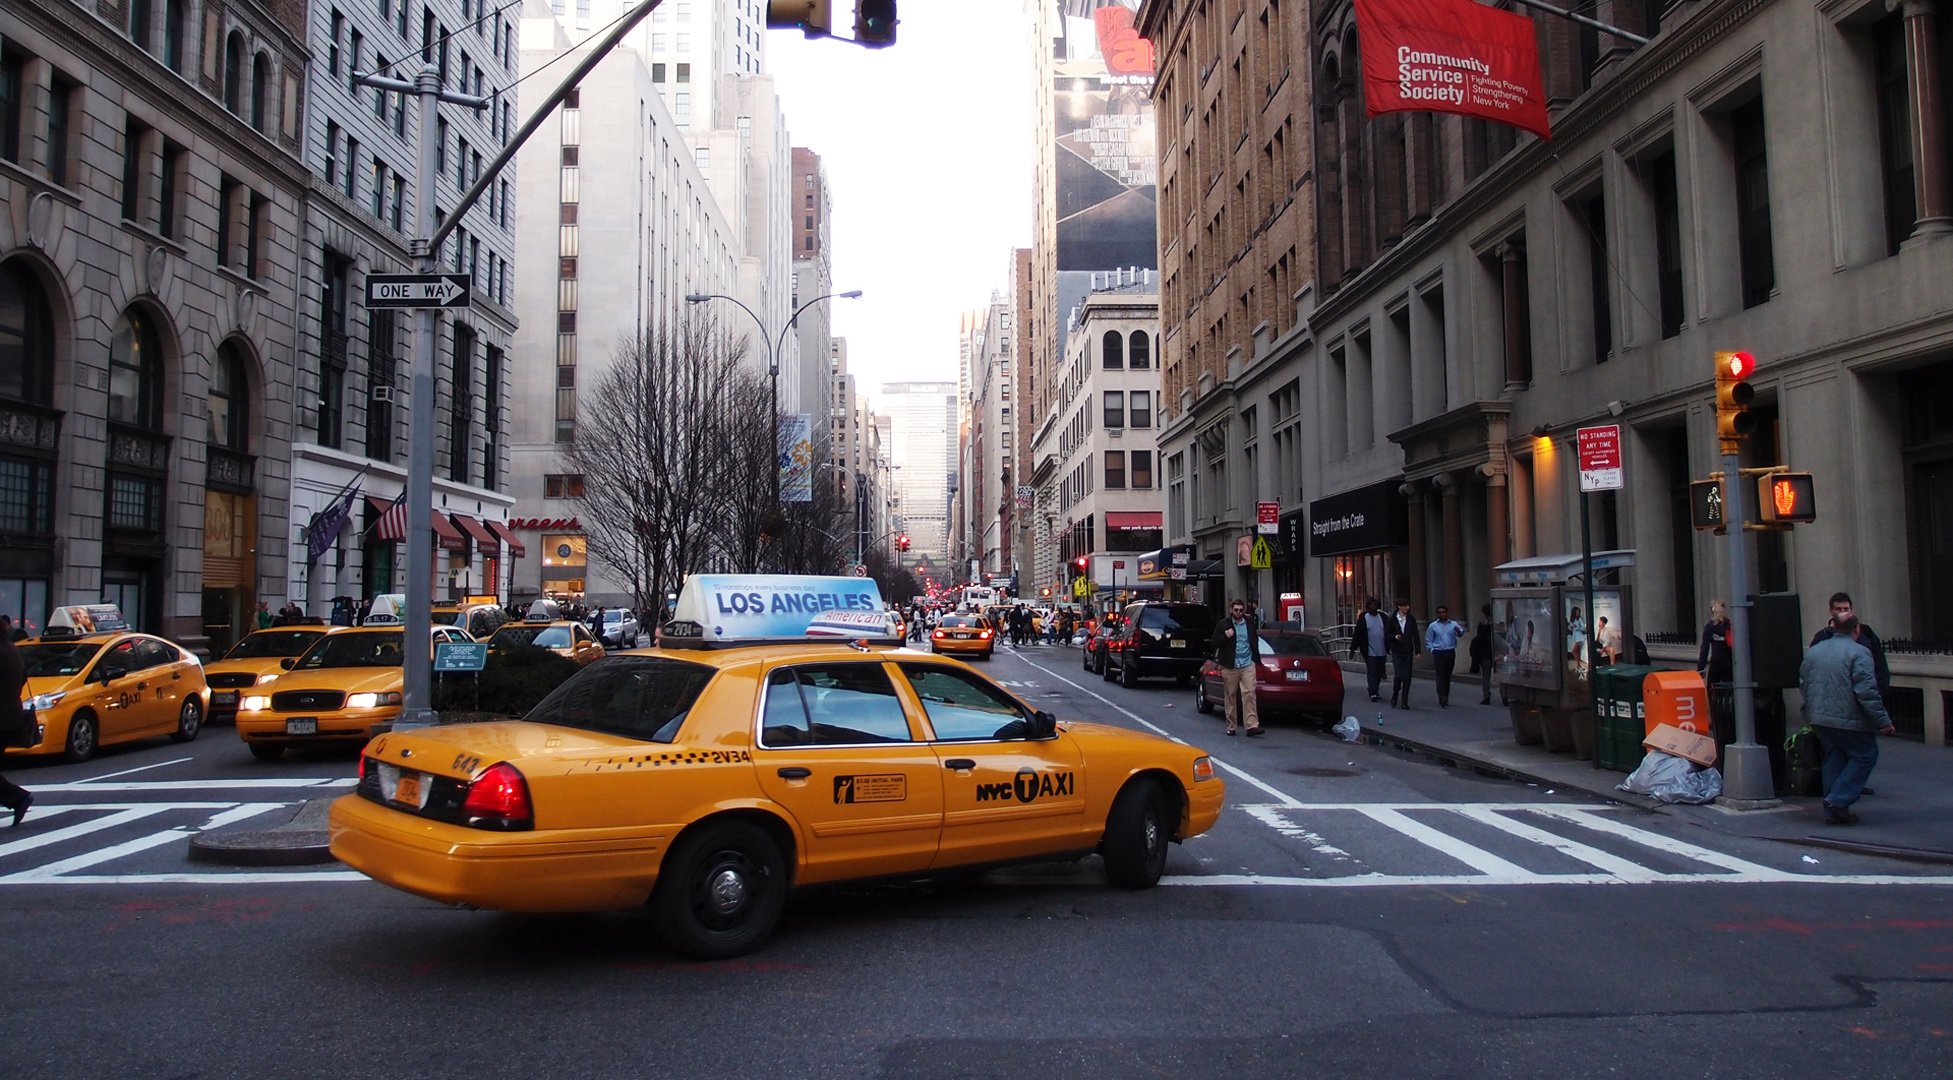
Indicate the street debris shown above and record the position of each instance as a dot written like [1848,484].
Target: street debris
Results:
[1667,778]
[1349,729]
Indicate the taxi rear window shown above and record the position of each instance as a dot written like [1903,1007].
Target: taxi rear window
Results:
[638,697]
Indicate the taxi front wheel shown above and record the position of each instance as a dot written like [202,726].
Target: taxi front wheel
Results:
[189,721]
[721,891]
[1136,835]
[84,738]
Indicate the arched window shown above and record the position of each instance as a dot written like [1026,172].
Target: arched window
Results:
[1114,348]
[136,373]
[230,401]
[1139,349]
[261,88]
[26,338]
[234,73]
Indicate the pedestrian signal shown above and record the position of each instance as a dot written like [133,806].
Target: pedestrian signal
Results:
[1733,396]
[1786,498]
[874,23]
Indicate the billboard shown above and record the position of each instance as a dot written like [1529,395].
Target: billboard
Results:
[1107,158]
[796,457]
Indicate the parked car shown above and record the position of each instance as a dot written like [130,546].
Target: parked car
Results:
[1103,629]
[1297,676]
[1158,639]
[619,630]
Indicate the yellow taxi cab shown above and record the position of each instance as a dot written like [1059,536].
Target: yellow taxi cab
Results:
[745,756]
[342,688]
[478,615]
[254,661]
[967,634]
[565,637]
[92,682]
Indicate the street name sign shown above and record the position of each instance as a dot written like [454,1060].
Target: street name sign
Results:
[1600,457]
[417,291]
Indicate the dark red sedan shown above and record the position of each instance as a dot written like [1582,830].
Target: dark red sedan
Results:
[1297,675]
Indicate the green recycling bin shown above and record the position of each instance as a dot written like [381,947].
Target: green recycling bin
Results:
[1620,716]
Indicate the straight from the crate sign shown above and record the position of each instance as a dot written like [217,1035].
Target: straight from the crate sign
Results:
[1600,457]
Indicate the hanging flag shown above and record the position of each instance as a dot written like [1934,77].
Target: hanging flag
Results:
[393,523]
[324,530]
[1452,56]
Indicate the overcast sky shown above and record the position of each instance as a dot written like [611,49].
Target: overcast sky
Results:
[929,150]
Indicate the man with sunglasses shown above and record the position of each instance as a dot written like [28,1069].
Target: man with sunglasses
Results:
[1236,647]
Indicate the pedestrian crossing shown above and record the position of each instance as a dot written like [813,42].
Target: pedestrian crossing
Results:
[1370,845]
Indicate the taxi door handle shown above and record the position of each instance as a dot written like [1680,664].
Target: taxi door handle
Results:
[794,772]
[959,763]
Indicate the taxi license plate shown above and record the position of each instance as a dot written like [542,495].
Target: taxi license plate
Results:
[302,725]
[409,789]
[1178,643]
[224,697]
[959,637]
[1298,676]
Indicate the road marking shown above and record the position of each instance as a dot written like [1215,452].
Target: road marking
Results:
[1285,798]
[72,832]
[137,769]
[1478,880]
[1594,857]
[1450,846]
[1660,842]
[202,785]
[62,871]
[1272,817]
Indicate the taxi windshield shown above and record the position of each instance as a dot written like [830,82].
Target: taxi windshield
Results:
[542,637]
[352,650]
[269,643]
[638,697]
[57,658]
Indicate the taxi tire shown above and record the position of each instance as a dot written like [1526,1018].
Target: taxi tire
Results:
[84,738]
[188,722]
[1136,835]
[680,902]
[266,751]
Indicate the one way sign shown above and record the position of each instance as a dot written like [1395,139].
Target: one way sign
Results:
[417,290]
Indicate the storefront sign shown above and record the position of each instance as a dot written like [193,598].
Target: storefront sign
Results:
[1363,519]
[1292,542]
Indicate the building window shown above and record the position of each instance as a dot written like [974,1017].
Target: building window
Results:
[136,374]
[352,168]
[563,486]
[60,122]
[254,231]
[1753,203]
[1115,470]
[230,401]
[229,201]
[492,419]
[332,154]
[1142,408]
[175,26]
[397,211]
[1668,241]
[13,109]
[382,343]
[332,349]
[1894,131]
[1115,409]
[260,91]
[332,48]
[1113,346]
[141,16]
[461,405]
[1593,217]
[1140,351]
[1142,469]
[134,134]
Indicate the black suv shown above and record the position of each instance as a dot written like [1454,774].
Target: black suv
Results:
[1159,639]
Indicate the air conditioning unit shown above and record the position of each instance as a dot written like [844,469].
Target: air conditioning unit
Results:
[1114,432]
[383,393]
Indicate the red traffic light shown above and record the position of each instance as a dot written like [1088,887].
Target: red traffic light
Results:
[1081,564]
[1737,365]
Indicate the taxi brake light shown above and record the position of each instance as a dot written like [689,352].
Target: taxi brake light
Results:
[985,635]
[362,768]
[498,799]
[938,634]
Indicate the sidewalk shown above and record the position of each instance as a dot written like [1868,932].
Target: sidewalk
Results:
[1910,817]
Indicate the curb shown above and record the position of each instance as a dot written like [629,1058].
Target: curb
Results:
[303,841]
[1510,772]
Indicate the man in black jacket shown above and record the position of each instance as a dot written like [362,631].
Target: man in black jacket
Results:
[13,678]
[1369,640]
[1841,607]
[1236,647]
[1403,638]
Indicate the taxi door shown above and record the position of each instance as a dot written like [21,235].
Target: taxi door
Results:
[1005,794]
[837,751]
[119,697]
[161,684]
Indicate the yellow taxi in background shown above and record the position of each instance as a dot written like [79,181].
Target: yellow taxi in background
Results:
[709,776]
[968,635]
[338,691]
[255,661]
[563,637]
[92,682]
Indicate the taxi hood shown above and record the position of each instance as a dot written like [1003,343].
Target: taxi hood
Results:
[48,684]
[1109,735]
[358,680]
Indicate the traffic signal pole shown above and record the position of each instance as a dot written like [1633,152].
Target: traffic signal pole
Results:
[1746,780]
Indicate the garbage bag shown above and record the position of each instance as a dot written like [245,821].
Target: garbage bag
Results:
[1667,778]
[1349,729]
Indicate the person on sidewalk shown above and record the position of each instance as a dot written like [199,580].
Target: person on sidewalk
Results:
[1403,640]
[1441,641]
[1840,607]
[1368,641]
[1842,702]
[16,723]
[1482,659]
[1236,647]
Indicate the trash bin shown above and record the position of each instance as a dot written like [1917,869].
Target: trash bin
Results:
[1620,719]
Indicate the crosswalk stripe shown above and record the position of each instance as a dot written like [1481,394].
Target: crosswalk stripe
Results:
[71,832]
[200,785]
[1476,858]
[1580,816]
[1594,857]
[54,870]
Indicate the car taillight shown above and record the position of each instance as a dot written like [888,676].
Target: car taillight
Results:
[938,634]
[498,799]
[985,635]
[362,768]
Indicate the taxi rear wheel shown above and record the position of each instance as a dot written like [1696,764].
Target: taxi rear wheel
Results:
[189,721]
[84,738]
[267,751]
[1136,835]
[721,891]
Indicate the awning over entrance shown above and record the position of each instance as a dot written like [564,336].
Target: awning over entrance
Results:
[446,535]
[516,549]
[1132,519]
[485,541]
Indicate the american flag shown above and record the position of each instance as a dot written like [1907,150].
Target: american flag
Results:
[393,523]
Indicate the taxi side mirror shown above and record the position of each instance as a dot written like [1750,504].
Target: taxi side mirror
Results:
[1043,725]
[288,663]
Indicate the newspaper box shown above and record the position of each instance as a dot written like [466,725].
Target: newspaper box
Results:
[1679,699]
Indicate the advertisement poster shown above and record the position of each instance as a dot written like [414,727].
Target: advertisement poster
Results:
[1533,645]
[1108,173]
[737,607]
[796,457]
[1607,629]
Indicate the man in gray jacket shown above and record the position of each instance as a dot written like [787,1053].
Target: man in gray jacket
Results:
[1842,702]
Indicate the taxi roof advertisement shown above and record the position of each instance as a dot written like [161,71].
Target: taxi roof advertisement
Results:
[731,607]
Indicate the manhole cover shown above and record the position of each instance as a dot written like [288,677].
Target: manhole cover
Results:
[1325,772]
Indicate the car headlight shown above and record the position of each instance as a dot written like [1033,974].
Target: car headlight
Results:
[254,703]
[270,678]
[43,702]
[372,701]
[1203,769]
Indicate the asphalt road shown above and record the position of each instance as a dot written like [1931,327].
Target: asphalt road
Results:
[1356,912]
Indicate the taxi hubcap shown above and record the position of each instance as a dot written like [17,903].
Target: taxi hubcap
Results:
[726,890]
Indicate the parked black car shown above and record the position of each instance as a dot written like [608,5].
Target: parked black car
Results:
[1159,639]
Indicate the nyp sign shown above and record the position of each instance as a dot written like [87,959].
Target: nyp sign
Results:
[1451,56]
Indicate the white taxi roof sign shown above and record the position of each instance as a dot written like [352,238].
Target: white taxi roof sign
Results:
[74,620]
[386,610]
[717,611]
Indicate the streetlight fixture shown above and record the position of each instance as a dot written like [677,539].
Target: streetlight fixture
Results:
[773,359]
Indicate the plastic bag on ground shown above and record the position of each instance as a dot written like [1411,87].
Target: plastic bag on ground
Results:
[1670,779]
[1349,729]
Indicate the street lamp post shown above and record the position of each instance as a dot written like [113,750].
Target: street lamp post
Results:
[773,360]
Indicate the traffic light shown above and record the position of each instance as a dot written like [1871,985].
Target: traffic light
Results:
[815,18]
[1080,563]
[902,542]
[1733,396]
[1786,498]
[874,23]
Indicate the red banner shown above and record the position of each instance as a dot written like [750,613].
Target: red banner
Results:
[1451,56]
